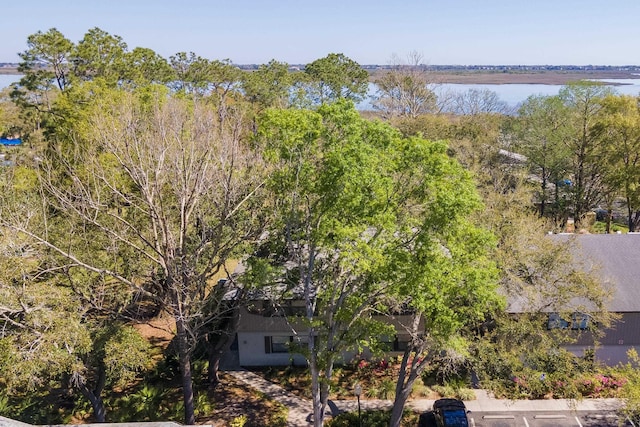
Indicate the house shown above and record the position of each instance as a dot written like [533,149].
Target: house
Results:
[615,259]
[265,333]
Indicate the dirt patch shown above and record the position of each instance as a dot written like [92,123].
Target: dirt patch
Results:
[159,331]
[234,399]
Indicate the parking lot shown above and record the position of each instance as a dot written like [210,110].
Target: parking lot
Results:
[538,419]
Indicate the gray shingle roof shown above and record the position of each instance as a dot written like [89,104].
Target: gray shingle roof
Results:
[616,258]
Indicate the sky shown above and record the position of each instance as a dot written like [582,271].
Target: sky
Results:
[461,32]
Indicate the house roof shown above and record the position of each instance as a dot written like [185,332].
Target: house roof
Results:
[616,259]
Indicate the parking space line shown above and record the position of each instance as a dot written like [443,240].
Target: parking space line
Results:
[548,417]
[578,421]
[526,423]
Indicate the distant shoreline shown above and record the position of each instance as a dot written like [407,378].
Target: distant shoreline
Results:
[551,77]
[543,77]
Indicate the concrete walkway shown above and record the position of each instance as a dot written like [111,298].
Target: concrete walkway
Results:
[301,410]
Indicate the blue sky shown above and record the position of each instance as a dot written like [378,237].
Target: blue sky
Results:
[255,31]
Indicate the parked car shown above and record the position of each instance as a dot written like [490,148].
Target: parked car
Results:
[445,413]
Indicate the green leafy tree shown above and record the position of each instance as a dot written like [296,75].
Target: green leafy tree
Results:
[10,122]
[335,77]
[584,102]
[331,187]
[56,336]
[357,202]
[46,67]
[46,60]
[541,130]
[443,274]
[201,76]
[268,86]
[144,66]
[99,55]
[539,275]
[619,127]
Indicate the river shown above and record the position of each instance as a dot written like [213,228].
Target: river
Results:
[511,94]
[7,79]
[514,94]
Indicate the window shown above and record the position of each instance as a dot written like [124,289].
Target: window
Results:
[284,343]
[579,321]
[557,322]
[277,344]
[398,344]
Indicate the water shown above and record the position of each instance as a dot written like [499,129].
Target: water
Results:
[7,79]
[511,94]
[514,94]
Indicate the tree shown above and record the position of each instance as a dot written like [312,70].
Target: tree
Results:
[541,131]
[215,80]
[10,123]
[405,90]
[55,335]
[357,203]
[330,187]
[197,75]
[46,68]
[335,77]
[584,102]
[268,86]
[155,199]
[540,275]
[46,60]
[619,126]
[476,101]
[144,66]
[99,55]
[445,277]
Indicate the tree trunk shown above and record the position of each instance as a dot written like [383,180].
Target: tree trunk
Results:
[318,415]
[400,400]
[218,344]
[415,368]
[636,220]
[543,190]
[324,388]
[185,372]
[99,410]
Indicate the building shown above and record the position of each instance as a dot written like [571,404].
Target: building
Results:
[265,333]
[615,259]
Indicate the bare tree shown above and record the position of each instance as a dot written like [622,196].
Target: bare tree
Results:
[407,89]
[476,101]
[162,184]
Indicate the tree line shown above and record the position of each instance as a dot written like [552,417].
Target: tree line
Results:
[143,180]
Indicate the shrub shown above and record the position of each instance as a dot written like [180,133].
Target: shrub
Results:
[465,394]
[420,390]
[239,421]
